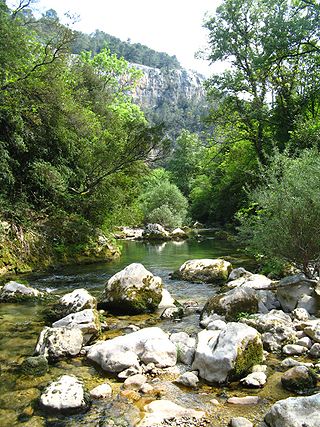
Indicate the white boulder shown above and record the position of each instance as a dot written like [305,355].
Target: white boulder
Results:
[204,270]
[65,395]
[146,345]
[227,354]
[56,343]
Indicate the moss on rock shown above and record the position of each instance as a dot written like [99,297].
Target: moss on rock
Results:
[248,355]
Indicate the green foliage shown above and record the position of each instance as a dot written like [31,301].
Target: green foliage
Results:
[286,223]
[185,161]
[72,142]
[162,201]
[131,52]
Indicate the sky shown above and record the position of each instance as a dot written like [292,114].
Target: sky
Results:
[171,26]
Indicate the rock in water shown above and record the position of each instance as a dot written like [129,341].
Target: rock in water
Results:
[160,410]
[227,354]
[148,345]
[204,270]
[155,232]
[14,292]
[86,320]
[295,412]
[132,290]
[56,343]
[66,395]
[73,302]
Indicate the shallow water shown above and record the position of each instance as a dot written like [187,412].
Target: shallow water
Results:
[20,326]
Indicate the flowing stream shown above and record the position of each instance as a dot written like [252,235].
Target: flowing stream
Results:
[20,325]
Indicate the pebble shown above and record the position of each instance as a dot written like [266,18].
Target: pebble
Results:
[247,400]
[102,391]
[186,422]
[240,422]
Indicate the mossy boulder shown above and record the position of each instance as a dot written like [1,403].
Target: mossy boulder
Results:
[132,290]
[229,354]
[204,270]
[35,366]
[299,379]
[73,302]
[18,292]
[232,304]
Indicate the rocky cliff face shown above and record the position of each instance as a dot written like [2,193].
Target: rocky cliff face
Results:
[175,97]
[159,85]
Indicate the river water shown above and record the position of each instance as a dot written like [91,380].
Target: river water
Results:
[20,325]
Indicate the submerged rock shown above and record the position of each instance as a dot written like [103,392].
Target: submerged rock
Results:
[240,422]
[57,343]
[35,366]
[148,345]
[228,354]
[295,412]
[204,270]
[66,395]
[132,290]
[159,410]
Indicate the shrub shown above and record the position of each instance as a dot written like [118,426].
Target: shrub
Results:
[286,223]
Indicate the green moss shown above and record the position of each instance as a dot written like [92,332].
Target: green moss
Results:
[232,311]
[249,355]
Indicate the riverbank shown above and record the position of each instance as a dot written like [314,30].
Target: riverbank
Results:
[45,246]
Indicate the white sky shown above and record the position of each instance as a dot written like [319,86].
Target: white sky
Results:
[172,26]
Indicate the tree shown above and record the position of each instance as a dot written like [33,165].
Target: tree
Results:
[286,206]
[185,161]
[161,201]
[260,39]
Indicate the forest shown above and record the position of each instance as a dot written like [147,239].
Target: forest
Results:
[79,157]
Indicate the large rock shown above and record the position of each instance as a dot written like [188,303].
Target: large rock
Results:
[253,281]
[204,270]
[132,290]
[73,302]
[57,343]
[86,320]
[66,395]
[146,345]
[155,232]
[295,412]
[185,347]
[299,379]
[228,354]
[14,291]
[232,304]
[293,290]
[159,410]
[179,234]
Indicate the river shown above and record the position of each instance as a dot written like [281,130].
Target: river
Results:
[21,323]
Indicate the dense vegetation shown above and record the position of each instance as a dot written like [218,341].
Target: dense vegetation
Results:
[79,157]
[131,52]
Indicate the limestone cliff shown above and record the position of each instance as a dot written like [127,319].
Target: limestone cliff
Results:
[157,85]
[173,96]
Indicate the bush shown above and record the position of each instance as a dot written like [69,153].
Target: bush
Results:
[286,223]
[163,202]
